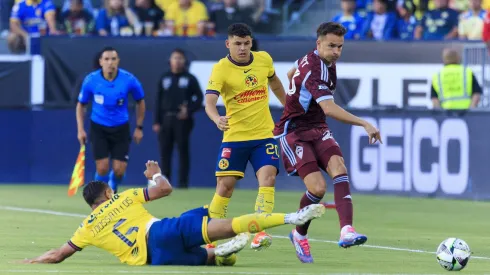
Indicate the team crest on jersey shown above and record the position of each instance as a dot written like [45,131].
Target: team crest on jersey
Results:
[223,164]
[299,151]
[226,153]
[327,135]
[251,81]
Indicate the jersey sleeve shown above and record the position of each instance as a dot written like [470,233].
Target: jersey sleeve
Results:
[86,92]
[270,65]
[49,7]
[215,83]
[15,14]
[316,83]
[138,194]
[136,89]
[80,239]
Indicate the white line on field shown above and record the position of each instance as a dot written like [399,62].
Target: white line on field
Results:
[33,210]
[180,272]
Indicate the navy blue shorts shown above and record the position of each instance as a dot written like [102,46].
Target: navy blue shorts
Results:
[177,241]
[234,156]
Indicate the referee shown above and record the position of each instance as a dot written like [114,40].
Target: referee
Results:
[108,88]
[179,96]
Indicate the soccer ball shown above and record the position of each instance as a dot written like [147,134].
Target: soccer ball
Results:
[453,254]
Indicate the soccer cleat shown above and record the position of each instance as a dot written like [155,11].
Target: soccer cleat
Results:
[225,261]
[302,248]
[306,213]
[233,246]
[349,237]
[261,241]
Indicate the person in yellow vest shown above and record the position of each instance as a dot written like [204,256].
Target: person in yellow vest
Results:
[454,87]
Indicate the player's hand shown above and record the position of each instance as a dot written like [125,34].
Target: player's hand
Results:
[82,137]
[152,169]
[373,134]
[183,114]
[137,135]
[222,123]
[156,128]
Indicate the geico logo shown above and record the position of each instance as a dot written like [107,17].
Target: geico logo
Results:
[420,154]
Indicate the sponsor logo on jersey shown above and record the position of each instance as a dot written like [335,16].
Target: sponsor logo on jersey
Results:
[226,153]
[251,81]
[251,95]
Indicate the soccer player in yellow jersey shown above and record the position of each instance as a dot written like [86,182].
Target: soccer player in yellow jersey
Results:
[121,225]
[242,79]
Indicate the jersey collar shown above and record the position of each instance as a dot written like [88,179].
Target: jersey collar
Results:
[241,64]
[109,81]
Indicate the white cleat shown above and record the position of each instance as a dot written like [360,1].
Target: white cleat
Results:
[233,246]
[307,213]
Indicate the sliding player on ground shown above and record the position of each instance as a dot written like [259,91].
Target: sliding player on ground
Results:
[121,225]
[242,79]
[306,141]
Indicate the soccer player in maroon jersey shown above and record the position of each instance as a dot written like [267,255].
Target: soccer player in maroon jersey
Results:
[306,141]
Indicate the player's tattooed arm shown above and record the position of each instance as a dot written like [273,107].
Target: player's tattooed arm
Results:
[53,256]
[278,89]
[335,111]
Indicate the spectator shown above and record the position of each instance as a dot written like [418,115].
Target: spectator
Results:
[220,19]
[486,31]
[408,22]
[437,24]
[115,19]
[422,6]
[254,7]
[363,7]
[87,4]
[150,15]
[454,87]
[350,19]
[379,24]
[164,4]
[471,22]
[186,18]
[486,4]
[77,20]
[29,19]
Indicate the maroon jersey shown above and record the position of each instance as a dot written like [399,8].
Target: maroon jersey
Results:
[312,82]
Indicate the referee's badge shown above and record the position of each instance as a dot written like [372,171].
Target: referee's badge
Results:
[223,164]
[99,99]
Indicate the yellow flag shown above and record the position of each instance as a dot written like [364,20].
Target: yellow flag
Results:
[78,175]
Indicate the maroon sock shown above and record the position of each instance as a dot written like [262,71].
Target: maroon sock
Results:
[343,199]
[306,200]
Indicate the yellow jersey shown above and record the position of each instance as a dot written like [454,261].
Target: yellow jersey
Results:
[186,21]
[164,4]
[245,92]
[117,226]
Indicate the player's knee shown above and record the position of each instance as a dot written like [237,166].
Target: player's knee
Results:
[226,185]
[336,166]
[319,189]
[102,169]
[268,180]
[119,172]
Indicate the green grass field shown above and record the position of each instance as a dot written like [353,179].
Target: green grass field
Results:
[403,234]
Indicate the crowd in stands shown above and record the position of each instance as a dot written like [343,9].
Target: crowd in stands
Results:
[414,19]
[130,18]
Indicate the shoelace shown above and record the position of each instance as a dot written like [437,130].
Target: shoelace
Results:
[305,246]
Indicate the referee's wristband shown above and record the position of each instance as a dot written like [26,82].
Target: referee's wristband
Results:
[159,175]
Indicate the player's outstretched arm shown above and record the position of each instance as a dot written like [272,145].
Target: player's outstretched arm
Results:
[53,256]
[162,188]
[335,111]
[278,89]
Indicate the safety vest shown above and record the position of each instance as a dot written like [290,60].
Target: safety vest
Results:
[454,84]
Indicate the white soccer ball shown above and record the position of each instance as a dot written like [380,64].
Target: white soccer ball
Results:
[453,254]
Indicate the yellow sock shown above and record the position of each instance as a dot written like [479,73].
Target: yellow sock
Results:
[218,207]
[257,222]
[265,200]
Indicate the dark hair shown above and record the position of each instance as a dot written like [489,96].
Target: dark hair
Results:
[255,45]
[94,190]
[179,51]
[330,27]
[239,29]
[78,2]
[96,60]
[107,49]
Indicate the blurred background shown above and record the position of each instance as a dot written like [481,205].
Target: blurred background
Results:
[436,140]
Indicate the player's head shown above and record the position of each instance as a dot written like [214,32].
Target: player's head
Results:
[177,61]
[96,192]
[109,60]
[239,42]
[330,40]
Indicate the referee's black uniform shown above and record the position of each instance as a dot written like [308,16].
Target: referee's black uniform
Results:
[175,91]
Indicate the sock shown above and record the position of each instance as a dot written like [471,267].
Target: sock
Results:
[114,181]
[218,209]
[257,222]
[265,200]
[104,178]
[343,199]
[307,199]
